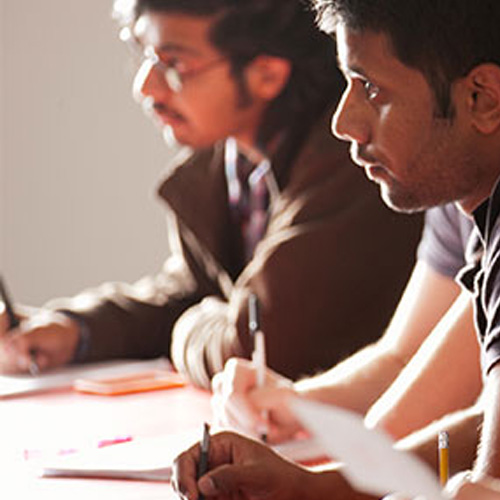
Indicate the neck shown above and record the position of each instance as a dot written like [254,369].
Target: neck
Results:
[257,153]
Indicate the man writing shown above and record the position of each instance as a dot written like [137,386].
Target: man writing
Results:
[422,113]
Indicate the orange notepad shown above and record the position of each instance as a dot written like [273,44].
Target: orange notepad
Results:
[137,382]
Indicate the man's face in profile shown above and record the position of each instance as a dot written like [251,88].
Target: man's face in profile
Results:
[186,84]
[388,114]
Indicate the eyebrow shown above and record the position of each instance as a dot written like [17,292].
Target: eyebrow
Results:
[178,48]
[171,47]
[351,70]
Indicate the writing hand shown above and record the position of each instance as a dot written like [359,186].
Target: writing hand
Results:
[239,468]
[238,403]
[50,337]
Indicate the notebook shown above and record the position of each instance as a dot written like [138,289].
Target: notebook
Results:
[150,459]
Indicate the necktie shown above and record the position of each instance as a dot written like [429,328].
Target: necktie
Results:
[248,196]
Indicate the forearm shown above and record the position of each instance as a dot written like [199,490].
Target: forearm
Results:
[463,428]
[355,383]
[125,320]
[488,462]
[360,380]
[444,376]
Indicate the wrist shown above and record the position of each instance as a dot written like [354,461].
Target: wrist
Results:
[78,334]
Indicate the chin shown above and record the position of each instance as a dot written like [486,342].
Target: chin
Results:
[189,140]
[402,203]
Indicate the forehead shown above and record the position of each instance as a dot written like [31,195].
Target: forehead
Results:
[370,54]
[176,32]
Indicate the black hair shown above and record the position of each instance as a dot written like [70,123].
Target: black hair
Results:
[244,29]
[443,39]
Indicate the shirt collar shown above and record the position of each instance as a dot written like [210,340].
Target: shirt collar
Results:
[487,213]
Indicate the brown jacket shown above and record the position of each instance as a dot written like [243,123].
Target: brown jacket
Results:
[328,272]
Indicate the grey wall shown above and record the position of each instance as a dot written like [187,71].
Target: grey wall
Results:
[78,160]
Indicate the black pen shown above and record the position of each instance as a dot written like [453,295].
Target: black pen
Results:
[258,355]
[11,317]
[205,448]
[14,323]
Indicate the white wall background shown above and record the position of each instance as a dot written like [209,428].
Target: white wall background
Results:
[78,160]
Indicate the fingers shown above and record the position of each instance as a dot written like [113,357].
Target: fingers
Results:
[42,341]
[253,471]
[185,467]
[14,352]
[230,404]
[184,480]
[238,467]
[231,410]
[227,480]
[21,312]
[3,320]
[238,404]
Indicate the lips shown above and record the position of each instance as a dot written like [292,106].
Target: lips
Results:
[160,113]
[361,156]
[375,172]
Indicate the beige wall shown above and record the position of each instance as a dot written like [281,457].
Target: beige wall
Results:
[78,160]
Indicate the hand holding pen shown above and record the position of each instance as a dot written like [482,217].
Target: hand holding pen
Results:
[243,468]
[13,323]
[246,393]
[43,339]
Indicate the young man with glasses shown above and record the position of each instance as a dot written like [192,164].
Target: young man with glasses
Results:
[265,201]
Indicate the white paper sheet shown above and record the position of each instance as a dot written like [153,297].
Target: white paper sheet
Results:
[146,459]
[371,463]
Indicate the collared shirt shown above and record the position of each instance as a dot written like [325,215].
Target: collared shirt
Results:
[482,277]
[250,188]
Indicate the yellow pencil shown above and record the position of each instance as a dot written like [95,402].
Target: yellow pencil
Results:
[444,457]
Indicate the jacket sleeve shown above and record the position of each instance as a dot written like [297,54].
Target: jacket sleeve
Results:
[136,320]
[328,275]
[204,337]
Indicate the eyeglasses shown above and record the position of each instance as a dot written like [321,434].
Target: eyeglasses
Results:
[174,77]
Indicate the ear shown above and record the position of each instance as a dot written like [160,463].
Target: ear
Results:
[267,76]
[483,97]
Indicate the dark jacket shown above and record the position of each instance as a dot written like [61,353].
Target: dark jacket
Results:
[328,272]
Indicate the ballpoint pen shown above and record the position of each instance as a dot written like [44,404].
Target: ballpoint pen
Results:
[205,448]
[259,353]
[13,322]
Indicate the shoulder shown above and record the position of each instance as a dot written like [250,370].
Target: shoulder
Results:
[189,169]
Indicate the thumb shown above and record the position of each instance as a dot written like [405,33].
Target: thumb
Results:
[4,321]
[230,479]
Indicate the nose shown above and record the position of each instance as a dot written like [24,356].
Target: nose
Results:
[350,121]
[148,83]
